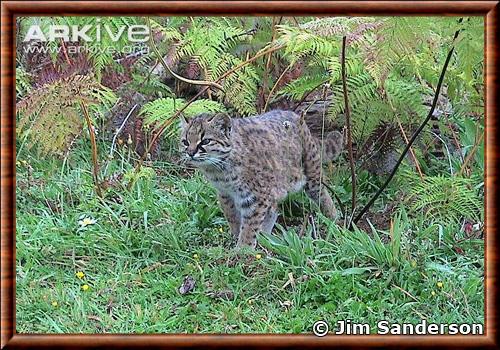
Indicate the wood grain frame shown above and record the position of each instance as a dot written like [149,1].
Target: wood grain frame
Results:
[11,9]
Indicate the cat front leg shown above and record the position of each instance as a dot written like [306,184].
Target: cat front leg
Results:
[253,214]
[321,197]
[231,213]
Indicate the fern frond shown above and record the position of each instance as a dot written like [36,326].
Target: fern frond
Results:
[158,111]
[210,47]
[447,199]
[51,115]
[296,89]
[23,82]
[299,43]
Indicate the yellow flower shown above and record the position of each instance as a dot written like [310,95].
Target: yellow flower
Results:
[221,230]
[195,256]
[54,303]
[85,287]
[80,274]
[433,293]
[18,163]
[86,221]
[250,301]
[258,256]
[440,284]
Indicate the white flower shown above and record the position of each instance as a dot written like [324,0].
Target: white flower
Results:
[86,221]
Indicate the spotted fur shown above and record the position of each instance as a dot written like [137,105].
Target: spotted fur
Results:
[256,162]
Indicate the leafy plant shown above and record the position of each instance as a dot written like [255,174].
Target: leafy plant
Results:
[23,82]
[50,115]
[361,245]
[469,138]
[160,110]
[293,249]
[445,199]
[210,45]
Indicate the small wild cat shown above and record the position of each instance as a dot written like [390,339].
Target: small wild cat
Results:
[255,162]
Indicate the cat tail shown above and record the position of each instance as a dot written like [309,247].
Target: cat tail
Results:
[330,146]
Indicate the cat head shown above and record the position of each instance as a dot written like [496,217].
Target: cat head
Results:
[206,139]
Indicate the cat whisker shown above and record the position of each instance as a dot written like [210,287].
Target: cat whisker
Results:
[213,163]
[218,163]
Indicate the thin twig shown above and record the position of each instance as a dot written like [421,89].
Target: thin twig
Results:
[119,130]
[341,205]
[411,149]
[275,86]
[414,137]
[314,232]
[447,151]
[405,292]
[269,58]
[308,93]
[65,52]
[175,75]
[455,139]
[95,169]
[322,144]
[349,131]
[471,154]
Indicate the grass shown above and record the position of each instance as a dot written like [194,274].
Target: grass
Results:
[146,240]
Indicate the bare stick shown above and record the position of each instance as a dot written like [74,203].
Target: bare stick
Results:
[175,75]
[447,150]
[120,129]
[455,139]
[95,170]
[265,86]
[275,86]
[471,154]
[411,150]
[349,130]
[308,93]
[413,138]
[65,52]
[341,205]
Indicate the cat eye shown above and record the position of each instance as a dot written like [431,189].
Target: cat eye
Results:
[205,142]
[185,143]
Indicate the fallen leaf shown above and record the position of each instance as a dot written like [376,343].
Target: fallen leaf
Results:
[187,285]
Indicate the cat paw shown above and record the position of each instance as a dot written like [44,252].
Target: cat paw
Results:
[245,245]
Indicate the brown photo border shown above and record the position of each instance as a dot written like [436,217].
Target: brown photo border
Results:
[11,9]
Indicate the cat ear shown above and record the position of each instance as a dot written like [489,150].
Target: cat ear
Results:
[223,121]
[183,122]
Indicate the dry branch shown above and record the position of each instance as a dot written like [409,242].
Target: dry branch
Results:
[175,75]
[95,170]
[414,137]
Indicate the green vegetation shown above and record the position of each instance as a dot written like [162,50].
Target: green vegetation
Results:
[115,263]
